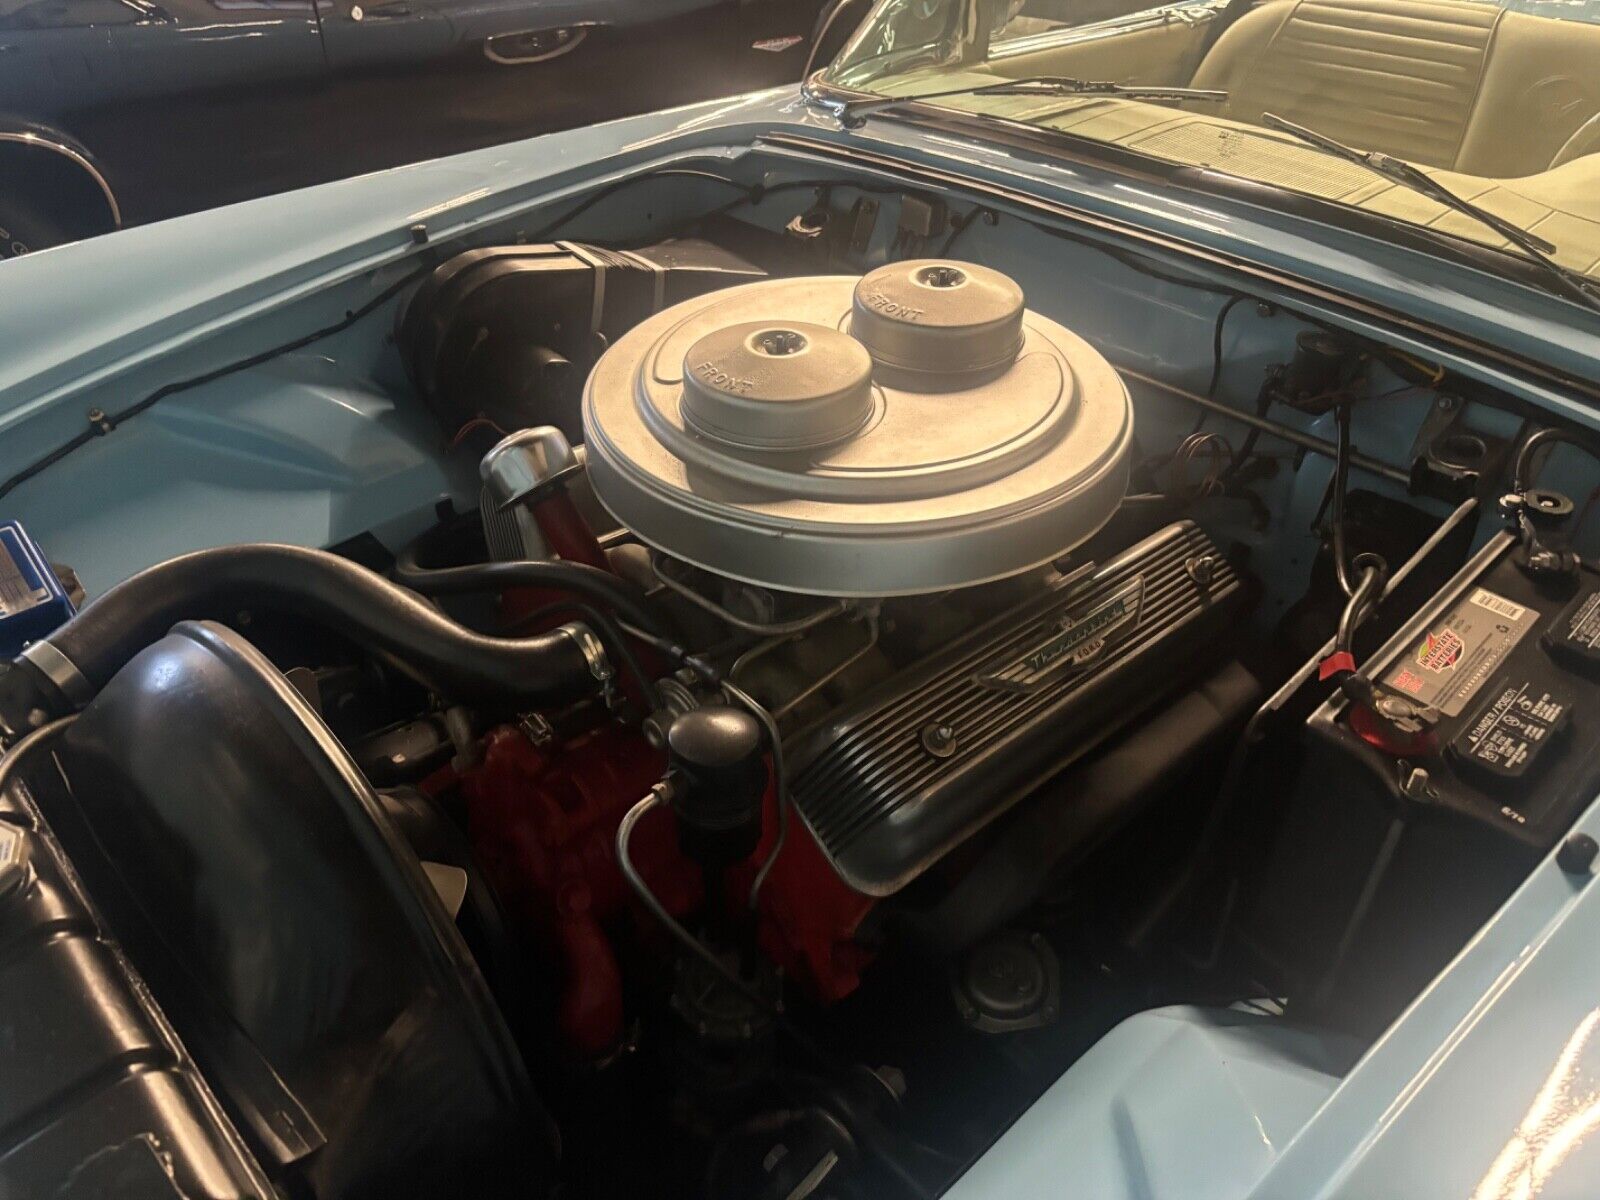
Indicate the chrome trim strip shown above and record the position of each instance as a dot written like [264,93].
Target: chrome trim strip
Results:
[40,141]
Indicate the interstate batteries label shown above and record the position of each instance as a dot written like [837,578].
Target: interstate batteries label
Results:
[1460,651]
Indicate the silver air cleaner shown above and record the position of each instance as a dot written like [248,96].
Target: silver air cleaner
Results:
[911,431]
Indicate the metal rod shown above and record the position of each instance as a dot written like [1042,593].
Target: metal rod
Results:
[655,797]
[1288,433]
[827,612]
[660,795]
[1363,906]
[816,685]
[759,650]
[1310,667]
[780,783]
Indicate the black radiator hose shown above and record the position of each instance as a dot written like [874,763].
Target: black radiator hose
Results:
[1077,812]
[65,670]
[585,582]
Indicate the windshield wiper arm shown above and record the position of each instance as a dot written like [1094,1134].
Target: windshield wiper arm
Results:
[852,114]
[1397,170]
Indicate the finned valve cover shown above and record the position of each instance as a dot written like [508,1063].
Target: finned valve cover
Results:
[910,431]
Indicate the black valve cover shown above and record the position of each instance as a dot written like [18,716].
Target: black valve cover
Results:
[923,762]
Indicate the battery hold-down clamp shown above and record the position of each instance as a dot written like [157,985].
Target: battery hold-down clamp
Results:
[1388,722]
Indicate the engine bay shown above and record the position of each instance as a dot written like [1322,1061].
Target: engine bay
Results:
[854,688]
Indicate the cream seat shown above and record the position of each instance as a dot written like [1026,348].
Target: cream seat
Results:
[1457,84]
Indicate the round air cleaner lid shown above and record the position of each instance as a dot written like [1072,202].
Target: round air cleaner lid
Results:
[938,326]
[800,435]
[777,385]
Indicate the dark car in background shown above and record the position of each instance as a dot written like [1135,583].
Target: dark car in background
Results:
[117,112]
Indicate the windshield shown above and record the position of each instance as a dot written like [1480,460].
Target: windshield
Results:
[1499,102]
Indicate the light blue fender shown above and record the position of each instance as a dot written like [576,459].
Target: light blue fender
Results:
[1486,1088]
[1180,1103]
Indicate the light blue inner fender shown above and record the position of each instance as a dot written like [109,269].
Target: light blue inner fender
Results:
[1176,1104]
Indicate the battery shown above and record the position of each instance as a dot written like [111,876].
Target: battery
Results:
[1505,669]
[33,601]
[1384,863]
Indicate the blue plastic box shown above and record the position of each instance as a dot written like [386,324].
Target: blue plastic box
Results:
[32,600]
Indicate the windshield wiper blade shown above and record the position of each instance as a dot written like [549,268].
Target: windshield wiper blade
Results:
[1397,170]
[852,114]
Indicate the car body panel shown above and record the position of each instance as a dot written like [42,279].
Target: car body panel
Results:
[477,19]
[63,55]
[214,43]
[76,53]
[358,34]
[1116,1127]
[1484,1089]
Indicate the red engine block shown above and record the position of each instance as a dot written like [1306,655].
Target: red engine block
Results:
[543,822]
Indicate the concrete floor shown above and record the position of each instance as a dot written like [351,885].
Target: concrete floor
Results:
[169,156]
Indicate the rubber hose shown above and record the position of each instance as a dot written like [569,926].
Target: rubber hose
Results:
[590,583]
[611,636]
[331,591]
[1522,472]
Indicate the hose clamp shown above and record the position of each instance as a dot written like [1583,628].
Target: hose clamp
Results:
[60,671]
[594,652]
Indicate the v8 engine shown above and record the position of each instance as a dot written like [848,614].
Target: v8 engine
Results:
[838,483]
[705,709]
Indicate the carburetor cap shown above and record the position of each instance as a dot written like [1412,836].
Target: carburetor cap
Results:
[777,386]
[944,325]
